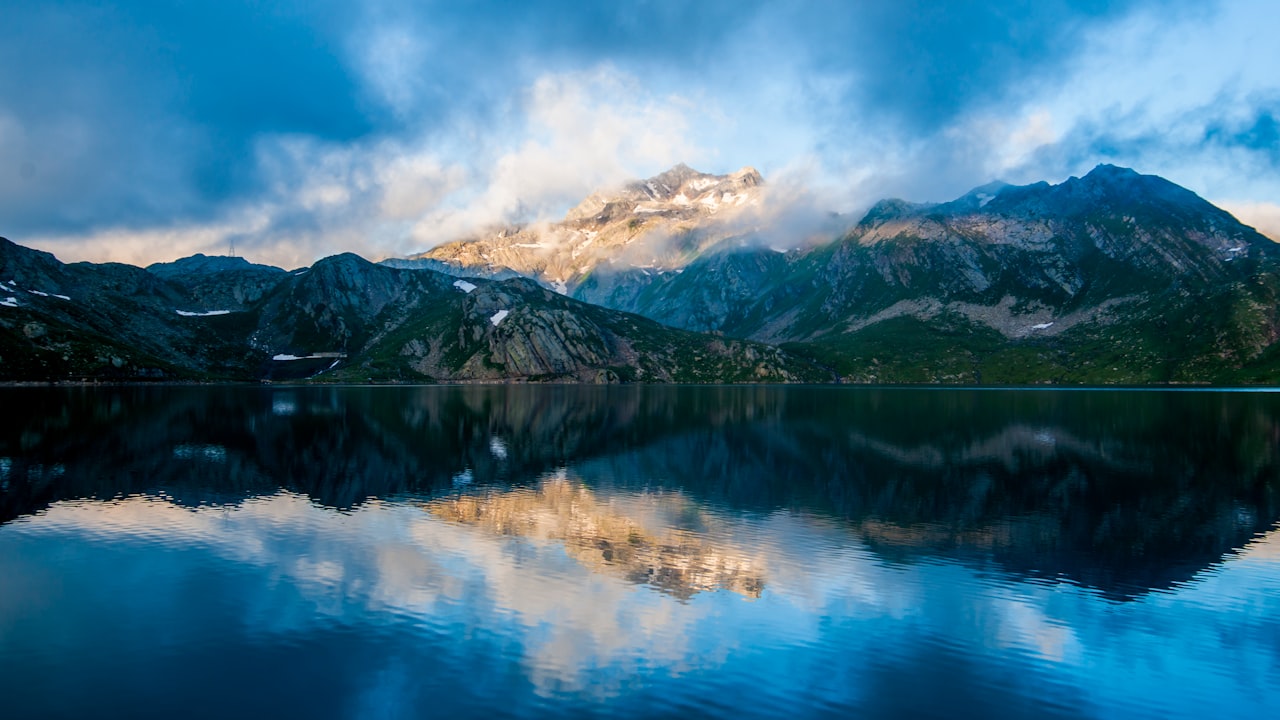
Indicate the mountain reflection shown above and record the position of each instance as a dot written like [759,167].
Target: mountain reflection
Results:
[604,538]
[1121,491]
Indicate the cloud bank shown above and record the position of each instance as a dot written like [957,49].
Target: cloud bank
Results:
[137,131]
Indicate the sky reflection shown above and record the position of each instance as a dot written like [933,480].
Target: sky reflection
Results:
[639,552]
[829,620]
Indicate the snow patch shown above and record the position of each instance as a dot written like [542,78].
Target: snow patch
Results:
[984,198]
[9,302]
[185,313]
[499,317]
[498,448]
[531,245]
[782,251]
[303,271]
[313,356]
[464,286]
[560,287]
[1042,326]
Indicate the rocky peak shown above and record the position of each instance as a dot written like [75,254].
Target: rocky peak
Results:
[206,264]
[678,190]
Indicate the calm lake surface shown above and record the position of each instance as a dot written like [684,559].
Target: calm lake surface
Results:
[638,552]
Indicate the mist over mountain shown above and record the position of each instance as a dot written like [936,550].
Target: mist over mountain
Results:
[1111,277]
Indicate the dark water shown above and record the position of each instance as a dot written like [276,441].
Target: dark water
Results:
[638,552]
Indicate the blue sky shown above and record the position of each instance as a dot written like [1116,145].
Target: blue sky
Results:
[143,131]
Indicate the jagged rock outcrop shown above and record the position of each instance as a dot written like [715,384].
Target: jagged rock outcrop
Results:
[516,329]
[656,224]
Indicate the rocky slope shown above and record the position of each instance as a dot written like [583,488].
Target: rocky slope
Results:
[1113,277]
[342,319]
[109,321]
[655,226]
[220,282]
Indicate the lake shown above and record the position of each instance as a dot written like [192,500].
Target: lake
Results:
[634,552]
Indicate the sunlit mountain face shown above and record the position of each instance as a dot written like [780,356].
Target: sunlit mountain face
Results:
[641,551]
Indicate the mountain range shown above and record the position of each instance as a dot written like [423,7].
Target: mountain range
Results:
[1114,277]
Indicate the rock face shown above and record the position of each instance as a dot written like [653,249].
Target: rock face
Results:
[220,283]
[1113,277]
[342,319]
[110,321]
[657,224]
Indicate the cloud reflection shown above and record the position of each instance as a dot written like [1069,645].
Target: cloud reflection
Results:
[529,565]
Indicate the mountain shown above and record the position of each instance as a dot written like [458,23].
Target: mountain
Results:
[108,321]
[218,281]
[656,225]
[1113,277]
[343,319]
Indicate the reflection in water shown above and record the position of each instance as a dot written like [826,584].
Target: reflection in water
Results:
[635,543]
[639,552]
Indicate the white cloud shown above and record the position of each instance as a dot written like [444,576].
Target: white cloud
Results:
[571,134]
[582,131]
[1153,83]
[391,57]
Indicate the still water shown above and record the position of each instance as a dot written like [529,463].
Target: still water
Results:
[638,552]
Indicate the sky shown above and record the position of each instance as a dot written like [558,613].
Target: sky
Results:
[146,131]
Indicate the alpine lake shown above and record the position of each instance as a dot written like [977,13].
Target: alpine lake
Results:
[638,551]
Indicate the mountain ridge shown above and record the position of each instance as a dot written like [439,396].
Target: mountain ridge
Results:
[344,319]
[1112,277]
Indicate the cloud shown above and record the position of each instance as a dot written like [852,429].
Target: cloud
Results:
[568,134]
[134,120]
[1185,95]
[582,132]
[141,113]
